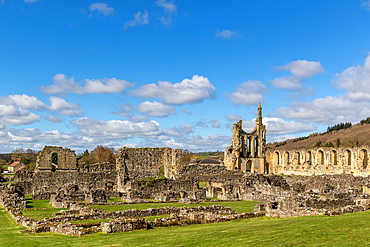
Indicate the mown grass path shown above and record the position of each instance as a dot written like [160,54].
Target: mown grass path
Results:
[343,230]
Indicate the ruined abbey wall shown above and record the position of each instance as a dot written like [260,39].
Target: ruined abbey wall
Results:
[319,161]
[67,159]
[42,184]
[147,162]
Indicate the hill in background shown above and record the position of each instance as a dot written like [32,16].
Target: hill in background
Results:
[356,135]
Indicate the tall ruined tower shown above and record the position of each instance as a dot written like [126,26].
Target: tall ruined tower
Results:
[247,151]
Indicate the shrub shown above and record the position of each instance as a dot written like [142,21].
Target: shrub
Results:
[329,144]
[338,143]
[280,144]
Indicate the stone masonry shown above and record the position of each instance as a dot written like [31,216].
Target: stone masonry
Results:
[320,161]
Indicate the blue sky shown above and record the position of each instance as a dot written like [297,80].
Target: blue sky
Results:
[160,73]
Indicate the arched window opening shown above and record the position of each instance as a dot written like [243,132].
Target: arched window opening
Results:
[363,157]
[348,157]
[249,166]
[308,156]
[54,161]
[276,158]
[286,158]
[333,155]
[320,157]
[298,157]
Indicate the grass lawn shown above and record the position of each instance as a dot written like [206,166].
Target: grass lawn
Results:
[114,199]
[8,175]
[239,207]
[42,213]
[343,230]
[202,184]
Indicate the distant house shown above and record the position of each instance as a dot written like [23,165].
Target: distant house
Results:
[207,162]
[16,165]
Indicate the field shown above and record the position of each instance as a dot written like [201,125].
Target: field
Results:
[343,230]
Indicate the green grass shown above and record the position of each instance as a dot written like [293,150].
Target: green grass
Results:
[239,207]
[343,230]
[90,221]
[42,213]
[202,184]
[212,198]
[114,199]
[152,218]
[8,175]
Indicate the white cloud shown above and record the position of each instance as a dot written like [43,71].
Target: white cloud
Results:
[200,143]
[124,110]
[356,80]
[139,20]
[96,86]
[329,110]
[14,109]
[23,118]
[189,91]
[233,118]
[117,129]
[64,108]
[215,123]
[23,101]
[227,34]
[54,119]
[352,106]
[277,126]
[155,109]
[248,93]
[101,8]
[169,10]
[301,70]
[186,111]
[182,130]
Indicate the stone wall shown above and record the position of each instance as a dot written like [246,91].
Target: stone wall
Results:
[137,163]
[320,161]
[67,159]
[165,190]
[197,169]
[41,184]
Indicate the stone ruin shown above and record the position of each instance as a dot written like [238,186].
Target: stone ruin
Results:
[247,151]
[165,191]
[67,159]
[332,188]
[298,195]
[71,182]
[70,194]
[320,161]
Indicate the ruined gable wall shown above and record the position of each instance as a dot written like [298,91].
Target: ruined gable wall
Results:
[67,159]
[320,161]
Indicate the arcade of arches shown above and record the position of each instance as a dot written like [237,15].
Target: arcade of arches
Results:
[248,153]
[320,161]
